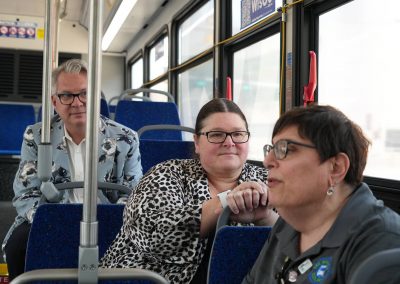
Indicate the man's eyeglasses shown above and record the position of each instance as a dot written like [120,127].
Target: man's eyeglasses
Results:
[218,137]
[281,148]
[68,99]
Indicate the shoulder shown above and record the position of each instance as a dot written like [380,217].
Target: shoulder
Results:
[111,127]
[251,171]
[372,213]
[179,166]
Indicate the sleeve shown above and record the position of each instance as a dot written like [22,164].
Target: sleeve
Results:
[132,169]
[26,182]
[161,220]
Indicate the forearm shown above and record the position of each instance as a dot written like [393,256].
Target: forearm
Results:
[209,216]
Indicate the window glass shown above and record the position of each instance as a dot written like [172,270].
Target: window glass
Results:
[358,71]
[195,89]
[162,86]
[246,13]
[137,74]
[197,32]
[159,58]
[256,90]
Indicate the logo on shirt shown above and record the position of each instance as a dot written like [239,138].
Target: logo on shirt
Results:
[321,270]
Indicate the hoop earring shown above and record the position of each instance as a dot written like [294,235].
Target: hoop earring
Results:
[330,190]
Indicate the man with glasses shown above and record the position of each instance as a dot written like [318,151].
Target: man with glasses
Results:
[118,154]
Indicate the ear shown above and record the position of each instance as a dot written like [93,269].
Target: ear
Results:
[339,166]
[196,143]
[53,101]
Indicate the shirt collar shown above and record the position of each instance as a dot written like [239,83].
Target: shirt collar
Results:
[69,138]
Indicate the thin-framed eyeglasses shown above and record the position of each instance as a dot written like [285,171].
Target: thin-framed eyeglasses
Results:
[68,98]
[281,148]
[218,137]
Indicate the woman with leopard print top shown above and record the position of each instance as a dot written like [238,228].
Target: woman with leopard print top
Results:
[172,214]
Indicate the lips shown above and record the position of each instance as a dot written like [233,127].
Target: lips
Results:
[78,113]
[222,154]
[272,182]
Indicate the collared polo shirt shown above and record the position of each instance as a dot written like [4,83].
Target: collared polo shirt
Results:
[363,227]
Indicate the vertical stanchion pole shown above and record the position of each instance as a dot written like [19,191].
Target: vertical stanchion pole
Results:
[88,249]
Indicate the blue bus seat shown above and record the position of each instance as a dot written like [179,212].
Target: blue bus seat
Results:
[155,151]
[234,252]
[104,109]
[136,114]
[15,119]
[54,237]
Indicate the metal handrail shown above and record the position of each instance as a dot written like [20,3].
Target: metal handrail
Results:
[103,274]
[100,185]
[164,127]
[130,93]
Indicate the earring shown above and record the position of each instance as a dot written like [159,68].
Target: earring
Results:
[330,190]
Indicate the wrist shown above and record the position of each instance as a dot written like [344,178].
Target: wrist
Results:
[222,198]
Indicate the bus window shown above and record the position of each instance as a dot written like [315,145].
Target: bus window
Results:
[137,74]
[161,86]
[256,89]
[358,71]
[196,33]
[195,88]
[159,58]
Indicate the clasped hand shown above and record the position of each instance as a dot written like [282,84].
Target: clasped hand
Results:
[248,203]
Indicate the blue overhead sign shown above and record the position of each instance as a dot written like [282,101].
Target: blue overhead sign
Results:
[254,10]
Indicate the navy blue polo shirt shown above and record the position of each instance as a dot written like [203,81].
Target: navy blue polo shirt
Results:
[363,227]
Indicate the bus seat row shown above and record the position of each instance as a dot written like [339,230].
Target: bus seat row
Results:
[133,114]
[54,241]
[15,118]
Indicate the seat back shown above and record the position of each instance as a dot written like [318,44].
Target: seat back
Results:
[376,264]
[55,232]
[234,252]
[156,151]
[104,110]
[15,119]
[136,114]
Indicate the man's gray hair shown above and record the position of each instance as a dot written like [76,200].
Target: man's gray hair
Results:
[70,66]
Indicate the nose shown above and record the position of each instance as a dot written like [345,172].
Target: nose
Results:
[270,160]
[228,141]
[76,102]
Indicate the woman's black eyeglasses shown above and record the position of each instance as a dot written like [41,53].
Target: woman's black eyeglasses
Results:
[218,137]
[281,148]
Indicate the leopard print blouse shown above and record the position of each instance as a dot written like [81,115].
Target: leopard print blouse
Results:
[161,228]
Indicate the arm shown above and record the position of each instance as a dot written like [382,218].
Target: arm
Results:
[162,217]
[132,167]
[119,159]
[26,183]
[248,202]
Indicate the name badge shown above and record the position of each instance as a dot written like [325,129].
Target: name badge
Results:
[304,266]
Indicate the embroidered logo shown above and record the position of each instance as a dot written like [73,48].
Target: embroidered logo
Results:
[321,270]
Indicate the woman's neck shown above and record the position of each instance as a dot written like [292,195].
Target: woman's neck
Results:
[314,222]
[217,185]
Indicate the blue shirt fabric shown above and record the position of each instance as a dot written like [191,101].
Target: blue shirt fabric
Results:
[363,227]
